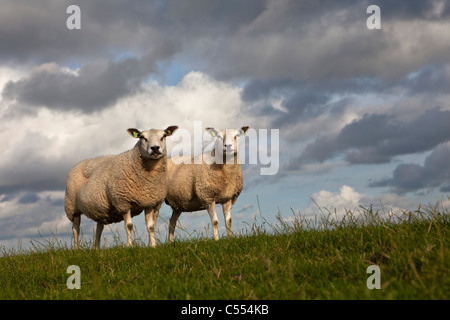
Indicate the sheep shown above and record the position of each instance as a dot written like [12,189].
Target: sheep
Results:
[76,178]
[194,187]
[110,189]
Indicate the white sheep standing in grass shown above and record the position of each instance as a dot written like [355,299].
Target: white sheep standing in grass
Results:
[194,187]
[110,189]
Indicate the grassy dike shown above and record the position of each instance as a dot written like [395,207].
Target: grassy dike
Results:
[294,259]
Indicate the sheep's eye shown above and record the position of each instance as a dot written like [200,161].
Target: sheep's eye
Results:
[144,138]
[163,137]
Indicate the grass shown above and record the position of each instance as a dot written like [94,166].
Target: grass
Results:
[297,258]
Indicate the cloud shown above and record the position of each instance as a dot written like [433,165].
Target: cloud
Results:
[431,79]
[434,173]
[308,41]
[23,215]
[284,100]
[94,86]
[263,39]
[377,138]
[242,209]
[36,32]
[27,162]
[28,197]
[325,202]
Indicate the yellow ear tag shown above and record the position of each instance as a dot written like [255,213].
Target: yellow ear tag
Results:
[135,134]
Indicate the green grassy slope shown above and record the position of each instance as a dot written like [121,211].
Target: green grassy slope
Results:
[293,260]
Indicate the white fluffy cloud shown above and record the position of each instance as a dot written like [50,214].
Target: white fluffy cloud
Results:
[348,199]
[325,201]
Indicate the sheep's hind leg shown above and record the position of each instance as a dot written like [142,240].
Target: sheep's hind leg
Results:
[227,216]
[76,229]
[215,222]
[150,220]
[98,234]
[173,224]
[128,227]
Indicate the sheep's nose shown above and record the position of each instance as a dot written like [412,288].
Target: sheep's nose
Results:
[228,146]
[155,148]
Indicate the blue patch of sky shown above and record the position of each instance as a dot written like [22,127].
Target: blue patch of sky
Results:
[74,65]
[171,73]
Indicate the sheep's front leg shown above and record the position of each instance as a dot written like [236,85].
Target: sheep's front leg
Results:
[173,224]
[98,234]
[227,216]
[76,229]
[128,227]
[150,220]
[215,222]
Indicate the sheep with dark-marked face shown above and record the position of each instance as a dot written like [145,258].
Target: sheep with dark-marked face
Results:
[216,179]
[114,188]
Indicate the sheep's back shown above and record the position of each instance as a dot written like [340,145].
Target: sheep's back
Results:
[193,186]
[76,178]
[181,191]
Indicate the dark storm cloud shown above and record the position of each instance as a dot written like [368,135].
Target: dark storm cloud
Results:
[322,40]
[298,100]
[204,16]
[28,168]
[36,182]
[36,30]
[29,197]
[279,35]
[38,175]
[377,138]
[145,32]
[96,86]
[257,40]
[434,173]
[414,9]
[257,89]
[38,221]
[429,79]
[302,100]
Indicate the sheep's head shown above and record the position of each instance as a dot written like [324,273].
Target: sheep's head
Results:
[152,143]
[228,139]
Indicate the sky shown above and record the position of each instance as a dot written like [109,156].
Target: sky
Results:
[363,114]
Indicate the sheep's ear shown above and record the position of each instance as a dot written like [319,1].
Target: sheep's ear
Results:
[243,130]
[135,133]
[213,132]
[170,130]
